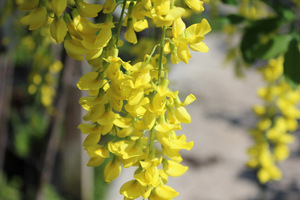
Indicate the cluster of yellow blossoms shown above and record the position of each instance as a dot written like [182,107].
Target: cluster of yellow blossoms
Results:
[129,102]
[277,119]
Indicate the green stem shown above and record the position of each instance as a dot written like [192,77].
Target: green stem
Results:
[151,151]
[162,44]
[120,22]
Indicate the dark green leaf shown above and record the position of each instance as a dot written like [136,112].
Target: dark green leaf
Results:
[231,2]
[232,19]
[283,10]
[292,62]
[251,40]
[276,46]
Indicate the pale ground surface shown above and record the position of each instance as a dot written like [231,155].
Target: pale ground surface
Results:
[220,119]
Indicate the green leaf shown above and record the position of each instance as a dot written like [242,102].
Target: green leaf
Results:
[292,62]
[274,47]
[231,2]
[232,19]
[283,10]
[251,40]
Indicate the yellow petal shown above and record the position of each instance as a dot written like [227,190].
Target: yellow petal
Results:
[182,115]
[130,35]
[89,10]
[28,4]
[195,5]
[35,18]
[95,161]
[58,30]
[89,81]
[132,189]
[112,170]
[165,192]
[201,46]
[58,6]
[174,168]
[109,6]
[91,139]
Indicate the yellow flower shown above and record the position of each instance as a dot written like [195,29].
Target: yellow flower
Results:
[196,5]
[28,4]
[174,168]
[58,30]
[89,10]
[109,6]
[36,18]
[75,49]
[112,170]
[163,192]
[132,189]
[58,6]
[182,115]
[90,81]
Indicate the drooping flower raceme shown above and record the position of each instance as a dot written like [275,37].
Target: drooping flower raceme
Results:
[129,101]
[277,120]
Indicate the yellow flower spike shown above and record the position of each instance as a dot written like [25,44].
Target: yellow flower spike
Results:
[132,189]
[196,5]
[58,30]
[109,6]
[90,81]
[174,169]
[36,18]
[92,139]
[88,10]
[58,6]
[182,115]
[28,4]
[165,192]
[112,170]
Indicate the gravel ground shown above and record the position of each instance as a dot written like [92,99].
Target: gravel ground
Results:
[221,117]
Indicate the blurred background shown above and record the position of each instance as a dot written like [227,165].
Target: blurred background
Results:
[41,153]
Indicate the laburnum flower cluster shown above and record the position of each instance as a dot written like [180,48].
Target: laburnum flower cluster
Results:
[277,120]
[128,101]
